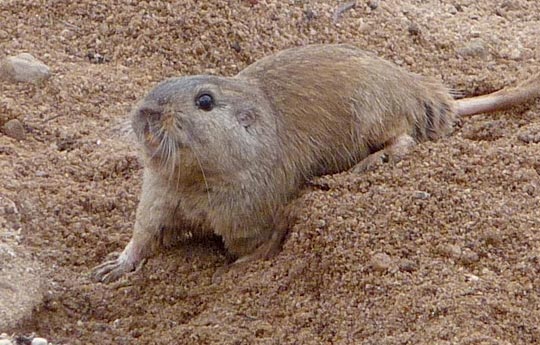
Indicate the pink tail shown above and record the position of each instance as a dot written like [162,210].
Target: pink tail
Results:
[501,99]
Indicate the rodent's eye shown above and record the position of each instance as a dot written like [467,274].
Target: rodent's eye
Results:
[205,102]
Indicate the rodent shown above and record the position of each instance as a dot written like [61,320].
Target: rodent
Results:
[226,155]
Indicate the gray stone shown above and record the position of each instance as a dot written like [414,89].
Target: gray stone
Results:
[373,4]
[14,129]
[381,262]
[23,68]
[419,194]
[39,341]
[475,48]
[21,281]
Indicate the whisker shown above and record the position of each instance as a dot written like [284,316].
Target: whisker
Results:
[122,129]
[176,130]
[204,176]
[162,148]
[171,157]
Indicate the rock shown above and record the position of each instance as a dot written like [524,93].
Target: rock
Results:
[515,54]
[419,194]
[236,46]
[452,9]
[476,48]
[21,281]
[14,129]
[21,287]
[373,4]
[5,342]
[39,341]
[450,251]
[309,14]
[492,238]
[23,68]
[381,262]
[471,277]
[407,266]
[531,135]
[321,223]
[469,257]
[414,29]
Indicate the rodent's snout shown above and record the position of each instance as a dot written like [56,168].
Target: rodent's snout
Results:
[146,122]
[150,114]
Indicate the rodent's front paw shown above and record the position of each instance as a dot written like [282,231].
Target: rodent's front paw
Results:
[112,270]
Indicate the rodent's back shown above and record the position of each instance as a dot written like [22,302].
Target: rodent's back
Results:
[334,104]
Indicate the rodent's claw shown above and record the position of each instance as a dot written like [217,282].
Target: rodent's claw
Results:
[112,270]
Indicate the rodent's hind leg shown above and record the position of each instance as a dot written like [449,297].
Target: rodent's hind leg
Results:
[266,249]
[393,151]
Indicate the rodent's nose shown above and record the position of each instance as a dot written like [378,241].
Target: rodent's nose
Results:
[150,113]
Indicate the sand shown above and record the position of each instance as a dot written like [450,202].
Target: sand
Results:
[441,248]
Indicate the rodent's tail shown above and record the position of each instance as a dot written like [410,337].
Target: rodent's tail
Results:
[502,99]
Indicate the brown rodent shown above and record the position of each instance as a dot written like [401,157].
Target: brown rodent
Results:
[226,156]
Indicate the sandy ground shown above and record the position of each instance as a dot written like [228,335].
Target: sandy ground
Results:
[442,248]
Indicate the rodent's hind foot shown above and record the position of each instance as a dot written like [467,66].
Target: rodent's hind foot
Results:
[394,151]
[241,262]
[371,162]
[112,270]
[264,251]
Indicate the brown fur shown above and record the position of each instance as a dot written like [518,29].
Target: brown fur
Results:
[233,170]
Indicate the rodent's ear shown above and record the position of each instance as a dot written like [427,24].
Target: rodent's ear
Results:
[247,117]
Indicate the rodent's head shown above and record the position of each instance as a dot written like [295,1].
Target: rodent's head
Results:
[221,124]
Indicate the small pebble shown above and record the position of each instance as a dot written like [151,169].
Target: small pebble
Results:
[309,14]
[471,278]
[381,262]
[421,195]
[530,136]
[373,4]
[23,68]
[474,33]
[14,129]
[41,173]
[39,341]
[414,29]
[96,58]
[475,48]
[407,266]
[450,250]
[236,46]
[469,257]
[515,54]
[492,238]
[321,223]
